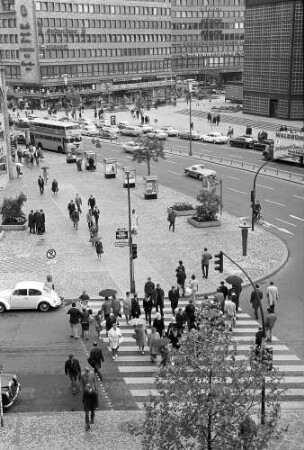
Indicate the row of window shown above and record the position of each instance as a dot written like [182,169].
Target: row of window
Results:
[8,39]
[102,53]
[12,72]
[207,14]
[97,23]
[9,54]
[8,23]
[215,38]
[207,3]
[101,9]
[96,38]
[183,63]
[206,27]
[89,70]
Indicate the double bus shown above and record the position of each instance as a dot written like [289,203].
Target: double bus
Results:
[60,136]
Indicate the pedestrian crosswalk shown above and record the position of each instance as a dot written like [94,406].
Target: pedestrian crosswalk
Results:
[138,371]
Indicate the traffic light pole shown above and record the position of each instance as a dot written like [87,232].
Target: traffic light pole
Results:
[131,261]
[253,193]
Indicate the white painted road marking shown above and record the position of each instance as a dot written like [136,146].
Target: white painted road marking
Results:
[233,178]
[235,190]
[295,217]
[274,203]
[266,187]
[171,162]
[175,173]
[283,230]
[285,221]
[298,196]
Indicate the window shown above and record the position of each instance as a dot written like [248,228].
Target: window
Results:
[34,292]
[20,292]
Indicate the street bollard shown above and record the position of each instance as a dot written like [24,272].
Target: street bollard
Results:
[244,230]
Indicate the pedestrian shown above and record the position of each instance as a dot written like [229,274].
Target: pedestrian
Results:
[18,170]
[218,119]
[190,314]
[31,222]
[148,306]
[116,307]
[255,300]
[219,299]
[134,222]
[95,359]
[88,376]
[98,248]
[209,117]
[91,202]
[42,219]
[106,307]
[140,333]
[19,154]
[270,320]
[98,320]
[153,337]
[109,323]
[115,339]
[149,287]
[181,276]
[159,324]
[36,155]
[135,307]
[158,299]
[73,370]
[126,305]
[230,313]
[272,294]
[96,214]
[36,219]
[90,403]
[206,256]
[75,315]
[259,337]
[214,120]
[71,207]
[89,218]
[93,234]
[248,130]
[173,334]
[180,319]
[85,323]
[223,288]
[78,203]
[39,222]
[193,285]
[75,218]
[84,297]
[164,353]
[54,187]
[234,294]
[173,296]
[171,219]
[41,184]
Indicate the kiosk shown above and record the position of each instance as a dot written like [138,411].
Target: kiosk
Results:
[110,168]
[131,177]
[151,187]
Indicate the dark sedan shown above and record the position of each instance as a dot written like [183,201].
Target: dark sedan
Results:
[242,141]
[195,136]
[10,389]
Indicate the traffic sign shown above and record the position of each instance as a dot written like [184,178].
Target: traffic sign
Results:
[122,234]
[121,243]
[51,253]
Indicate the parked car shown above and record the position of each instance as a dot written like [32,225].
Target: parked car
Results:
[159,134]
[215,138]
[171,131]
[10,389]
[122,124]
[112,128]
[146,128]
[107,133]
[130,147]
[198,171]
[195,136]
[242,141]
[29,295]
[20,138]
[130,130]
[89,130]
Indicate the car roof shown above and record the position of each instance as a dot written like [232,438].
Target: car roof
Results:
[29,285]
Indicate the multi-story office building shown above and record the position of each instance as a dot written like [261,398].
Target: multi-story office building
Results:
[273,58]
[208,38]
[100,46]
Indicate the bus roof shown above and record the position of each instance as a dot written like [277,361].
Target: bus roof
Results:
[54,122]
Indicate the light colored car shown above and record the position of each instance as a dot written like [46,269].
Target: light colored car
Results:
[108,133]
[130,147]
[198,171]
[215,138]
[111,128]
[159,134]
[29,295]
[195,136]
[130,130]
[89,130]
[171,131]
[146,128]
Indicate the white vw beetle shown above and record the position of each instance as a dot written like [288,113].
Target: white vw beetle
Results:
[29,295]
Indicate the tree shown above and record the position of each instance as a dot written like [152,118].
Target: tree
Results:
[208,207]
[150,148]
[207,398]
[11,210]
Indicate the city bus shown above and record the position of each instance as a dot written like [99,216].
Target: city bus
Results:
[56,135]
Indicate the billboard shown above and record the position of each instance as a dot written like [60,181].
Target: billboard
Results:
[289,146]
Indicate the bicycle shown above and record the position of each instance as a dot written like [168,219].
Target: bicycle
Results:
[259,219]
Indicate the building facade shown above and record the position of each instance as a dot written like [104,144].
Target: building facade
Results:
[208,39]
[99,46]
[273,58]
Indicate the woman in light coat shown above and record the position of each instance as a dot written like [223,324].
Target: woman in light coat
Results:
[115,339]
[153,337]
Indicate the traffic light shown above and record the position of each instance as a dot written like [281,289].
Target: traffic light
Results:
[134,251]
[219,262]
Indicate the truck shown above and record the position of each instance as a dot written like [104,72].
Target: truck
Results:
[288,147]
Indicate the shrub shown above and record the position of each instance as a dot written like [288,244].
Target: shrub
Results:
[11,210]
[208,206]
[183,206]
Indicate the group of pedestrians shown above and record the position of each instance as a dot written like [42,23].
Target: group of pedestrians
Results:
[36,222]
[42,182]
[272,296]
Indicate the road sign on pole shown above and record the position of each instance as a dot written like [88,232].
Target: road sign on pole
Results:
[51,253]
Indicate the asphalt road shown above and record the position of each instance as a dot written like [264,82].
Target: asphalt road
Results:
[283,210]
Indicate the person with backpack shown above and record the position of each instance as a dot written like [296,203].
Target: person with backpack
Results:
[73,370]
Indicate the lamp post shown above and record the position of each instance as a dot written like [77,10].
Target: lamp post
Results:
[253,192]
[1,404]
[131,261]
[190,115]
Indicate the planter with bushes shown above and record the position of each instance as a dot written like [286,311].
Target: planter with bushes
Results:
[13,217]
[183,209]
[206,210]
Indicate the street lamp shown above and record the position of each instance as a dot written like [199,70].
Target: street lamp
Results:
[131,260]
[190,115]
[253,193]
